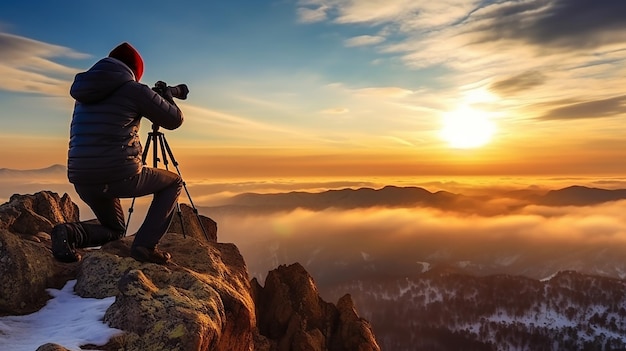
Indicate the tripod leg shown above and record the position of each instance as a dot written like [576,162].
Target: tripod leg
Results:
[161,138]
[166,146]
[163,143]
[130,213]
[144,157]
[155,150]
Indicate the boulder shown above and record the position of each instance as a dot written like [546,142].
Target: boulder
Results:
[199,301]
[28,215]
[355,333]
[190,223]
[292,315]
[51,347]
[27,267]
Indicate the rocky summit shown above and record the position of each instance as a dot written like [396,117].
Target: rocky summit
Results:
[202,300]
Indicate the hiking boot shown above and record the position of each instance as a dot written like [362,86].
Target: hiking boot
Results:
[63,245]
[152,255]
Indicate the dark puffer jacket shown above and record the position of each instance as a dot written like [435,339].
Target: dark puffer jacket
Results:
[104,142]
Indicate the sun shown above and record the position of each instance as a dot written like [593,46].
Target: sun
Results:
[467,128]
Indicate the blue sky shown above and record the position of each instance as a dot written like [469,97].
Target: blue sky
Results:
[337,84]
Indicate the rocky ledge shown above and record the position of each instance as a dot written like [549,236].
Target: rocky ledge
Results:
[202,300]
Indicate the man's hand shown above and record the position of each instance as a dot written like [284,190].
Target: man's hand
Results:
[162,89]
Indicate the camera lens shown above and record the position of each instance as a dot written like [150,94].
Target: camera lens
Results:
[180,91]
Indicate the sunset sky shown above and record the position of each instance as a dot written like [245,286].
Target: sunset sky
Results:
[344,88]
[500,101]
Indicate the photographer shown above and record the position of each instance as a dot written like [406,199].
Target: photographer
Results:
[104,157]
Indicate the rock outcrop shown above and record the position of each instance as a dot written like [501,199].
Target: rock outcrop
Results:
[190,223]
[202,300]
[27,267]
[292,315]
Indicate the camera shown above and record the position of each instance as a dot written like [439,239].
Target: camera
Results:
[179,91]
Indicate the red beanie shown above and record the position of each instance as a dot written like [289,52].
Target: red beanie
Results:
[127,54]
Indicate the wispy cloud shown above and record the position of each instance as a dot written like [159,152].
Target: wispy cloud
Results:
[540,50]
[405,14]
[217,124]
[336,111]
[599,108]
[26,66]
[307,14]
[557,24]
[383,93]
[518,83]
[364,40]
[214,127]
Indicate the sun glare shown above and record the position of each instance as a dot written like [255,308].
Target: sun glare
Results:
[467,128]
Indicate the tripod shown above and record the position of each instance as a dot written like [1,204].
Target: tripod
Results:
[158,139]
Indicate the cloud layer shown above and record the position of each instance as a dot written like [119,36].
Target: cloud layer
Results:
[503,236]
[562,47]
[26,65]
[345,245]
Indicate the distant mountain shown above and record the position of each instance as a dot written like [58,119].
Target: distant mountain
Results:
[581,196]
[48,171]
[393,196]
[344,198]
[388,196]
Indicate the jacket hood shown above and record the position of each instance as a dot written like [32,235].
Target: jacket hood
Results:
[101,80]
[130,56]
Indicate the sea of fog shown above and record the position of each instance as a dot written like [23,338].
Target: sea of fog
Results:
[532,239]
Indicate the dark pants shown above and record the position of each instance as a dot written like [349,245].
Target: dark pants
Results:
[104,201]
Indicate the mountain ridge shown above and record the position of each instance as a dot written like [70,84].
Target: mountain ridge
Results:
[395,196]
[50,170]
[578,195]
[386,196]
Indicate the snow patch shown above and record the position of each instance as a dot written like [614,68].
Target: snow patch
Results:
[67,319]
